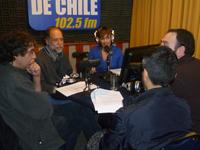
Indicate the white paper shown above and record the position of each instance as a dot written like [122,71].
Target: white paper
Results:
[116,71]
[74,88]
[106,101]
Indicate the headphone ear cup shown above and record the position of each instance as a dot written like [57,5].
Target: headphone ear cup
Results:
[97,39]
[112,38]
[95,36]
[113,35]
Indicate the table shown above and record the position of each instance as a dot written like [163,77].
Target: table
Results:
[106,120]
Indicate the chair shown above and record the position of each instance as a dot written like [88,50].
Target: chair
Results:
[191,141]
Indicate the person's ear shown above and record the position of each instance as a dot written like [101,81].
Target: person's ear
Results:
[180,51]
[14,57]
[145,75]
[47,41]
[146,80]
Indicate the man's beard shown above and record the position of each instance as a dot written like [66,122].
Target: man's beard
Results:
[59,50]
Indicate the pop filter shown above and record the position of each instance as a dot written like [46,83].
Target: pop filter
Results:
[85,64]
[107,49]
[80,55]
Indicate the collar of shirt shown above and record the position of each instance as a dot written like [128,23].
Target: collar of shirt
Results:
[52,53]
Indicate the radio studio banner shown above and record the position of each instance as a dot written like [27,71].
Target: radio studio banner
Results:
[65,14]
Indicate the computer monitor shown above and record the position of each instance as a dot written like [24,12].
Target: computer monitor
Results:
[132,63]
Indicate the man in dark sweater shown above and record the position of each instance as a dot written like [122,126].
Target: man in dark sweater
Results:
[157,116]
[187,82]
[38,124]
[53,62]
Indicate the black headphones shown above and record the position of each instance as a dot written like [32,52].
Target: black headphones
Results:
[97,33]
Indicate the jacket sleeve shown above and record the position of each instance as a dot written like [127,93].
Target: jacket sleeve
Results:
[113,139]
[23,98]
[94,53]
[91,54]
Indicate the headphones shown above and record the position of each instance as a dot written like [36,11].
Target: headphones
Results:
[99,30]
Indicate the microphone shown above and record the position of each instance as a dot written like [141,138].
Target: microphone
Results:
[80,55]
[107,49]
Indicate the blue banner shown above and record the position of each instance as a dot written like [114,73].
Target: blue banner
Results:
[65,14]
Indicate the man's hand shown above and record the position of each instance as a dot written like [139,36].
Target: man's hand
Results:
[34,69]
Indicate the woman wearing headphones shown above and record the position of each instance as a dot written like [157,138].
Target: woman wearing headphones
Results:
[109,55]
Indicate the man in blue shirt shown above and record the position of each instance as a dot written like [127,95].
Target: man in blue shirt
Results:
[109,55]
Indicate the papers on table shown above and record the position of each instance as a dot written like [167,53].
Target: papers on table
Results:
[106,101]
[116,71]
[74,88]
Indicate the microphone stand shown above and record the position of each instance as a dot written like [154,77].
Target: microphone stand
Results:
[108,62]
[87,80]
[86,68]
[109,58]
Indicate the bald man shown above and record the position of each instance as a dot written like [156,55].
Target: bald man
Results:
[53,62]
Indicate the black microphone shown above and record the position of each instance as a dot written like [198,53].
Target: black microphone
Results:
[80,55]
[107,49]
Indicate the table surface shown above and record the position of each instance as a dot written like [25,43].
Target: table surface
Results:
[106,120]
